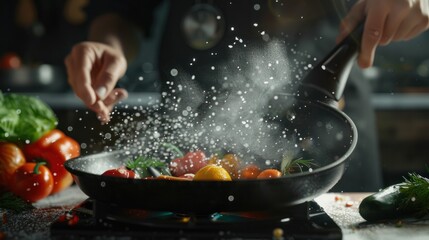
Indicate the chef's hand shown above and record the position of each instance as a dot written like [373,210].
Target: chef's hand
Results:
[386,21]
[93,69]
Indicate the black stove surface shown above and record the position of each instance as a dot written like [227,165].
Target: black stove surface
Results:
[94,220]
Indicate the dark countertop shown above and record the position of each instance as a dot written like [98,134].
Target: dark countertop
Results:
[343,208]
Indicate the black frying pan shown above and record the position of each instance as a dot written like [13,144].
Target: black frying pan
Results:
[331,137]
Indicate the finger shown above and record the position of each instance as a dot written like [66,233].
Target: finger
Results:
[69,68]
[417,30]
[372,33]
[355,15]
[103,112]
[408,26]
[391,28]
[112,99]
[113,68]
[80,63]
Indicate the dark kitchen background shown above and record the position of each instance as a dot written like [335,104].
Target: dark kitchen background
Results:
[37,35]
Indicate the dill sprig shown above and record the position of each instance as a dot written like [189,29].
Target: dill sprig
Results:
[415,194]
[290,166]
[142,164]
[173,148]
[11,202]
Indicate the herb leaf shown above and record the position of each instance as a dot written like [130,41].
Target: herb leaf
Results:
[289,166]
[415,194]
[141,165]
[14,203]
[24,118]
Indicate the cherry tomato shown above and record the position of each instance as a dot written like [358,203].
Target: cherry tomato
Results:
[10,61]
[11,158]
[269,173]
[32,182]
[230,162]
[120,172]
[190,163]
[249,172]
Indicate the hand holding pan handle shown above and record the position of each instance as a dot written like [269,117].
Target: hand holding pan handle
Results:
[327,80]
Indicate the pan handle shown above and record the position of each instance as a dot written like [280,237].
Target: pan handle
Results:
[327,80]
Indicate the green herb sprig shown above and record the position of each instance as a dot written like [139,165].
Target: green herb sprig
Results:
[415,194]
[289,165]
[11,202]
[142,164]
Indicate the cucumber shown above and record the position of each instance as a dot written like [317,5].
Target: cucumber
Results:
[387,204]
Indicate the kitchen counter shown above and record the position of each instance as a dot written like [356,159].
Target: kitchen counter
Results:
[70,101]
[343,208]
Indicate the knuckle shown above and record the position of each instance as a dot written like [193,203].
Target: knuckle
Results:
[373,34]
[425,21]
[80,49]
[109,77]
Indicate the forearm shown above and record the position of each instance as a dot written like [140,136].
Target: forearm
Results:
[117,32]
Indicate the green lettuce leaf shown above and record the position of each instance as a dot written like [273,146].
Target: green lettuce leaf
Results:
[24,118]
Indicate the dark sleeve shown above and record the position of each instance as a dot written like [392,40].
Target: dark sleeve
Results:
[140,12]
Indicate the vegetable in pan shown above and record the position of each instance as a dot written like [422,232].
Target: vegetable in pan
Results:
[190,162]
[141,167]
[195,166]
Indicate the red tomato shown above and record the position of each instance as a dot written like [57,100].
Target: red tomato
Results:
[32,182]
[10,61]
[55,148]
[269,173]
[190,163]
[249,172]
[11,158]
[120,172]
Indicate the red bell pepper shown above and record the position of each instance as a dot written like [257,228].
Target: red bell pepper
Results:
[54,148]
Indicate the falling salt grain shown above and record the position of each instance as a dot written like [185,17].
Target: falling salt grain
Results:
[257,7]
[107,136]
[263,33]
[232,28]
[174,72]
[255,24]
